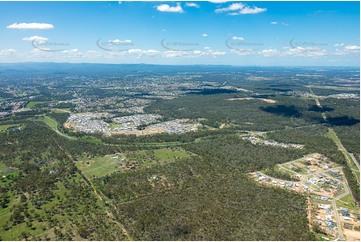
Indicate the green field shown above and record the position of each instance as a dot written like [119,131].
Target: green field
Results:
[115,125]
[7,174]
[34,104]
[60,110]
[99,166]
[146,158]
[332,135]
[51,122]
[347,202]
[164,155]
[102,166]
[6,126]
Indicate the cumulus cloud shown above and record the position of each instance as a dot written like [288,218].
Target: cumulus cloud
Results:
[143,52]
[7,52]
[170,9]
[352,47]
[30,26]
[339,44]
[218,1]
[240,8]
[207,52]
[306,52]
[237,38]
[118,41]
[348,49]
[194,5]
[243,51]
[35,38]
[269,52]
[205,35]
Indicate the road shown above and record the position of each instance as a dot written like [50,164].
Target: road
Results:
[354,160]
[334,206]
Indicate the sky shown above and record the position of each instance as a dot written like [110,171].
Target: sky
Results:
[219,32]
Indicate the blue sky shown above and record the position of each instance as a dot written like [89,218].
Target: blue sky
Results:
[236,33]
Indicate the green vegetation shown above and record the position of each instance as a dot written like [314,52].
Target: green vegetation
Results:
[164,155]
[33,104]
[4,127]
[99,166]
[58,184]
[276,172]
[347,202]
[51,122]
[260,115]
[195,199]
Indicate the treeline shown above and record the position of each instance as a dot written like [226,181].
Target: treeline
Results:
[49,200]
[246,114]
[198,199]
[37,139]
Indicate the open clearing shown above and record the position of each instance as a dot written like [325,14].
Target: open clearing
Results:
[99,166]
[34,104]
[102,166]
[51,122]
[252,98]
[6,126]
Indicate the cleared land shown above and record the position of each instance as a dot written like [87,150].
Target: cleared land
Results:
[51,122]
[252,98]
[6,126]
[34,104]
[99,166]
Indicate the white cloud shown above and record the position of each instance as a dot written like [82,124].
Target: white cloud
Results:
[140,51]
[306,52]
[193,53]
[352,47]
[205,35]
[237,38]
[7,52]
[243,51]
[118,41]
[30,26]
[281,23]
[218,1]
[35,38]
[348,49]
[269,52]
[194,5]
[339,44]
[240,8]
[169,9]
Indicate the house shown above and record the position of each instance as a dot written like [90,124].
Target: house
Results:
[347,226]
[324,206]
[324,198]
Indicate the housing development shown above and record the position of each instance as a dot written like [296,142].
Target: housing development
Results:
[168,156]
[180,121]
